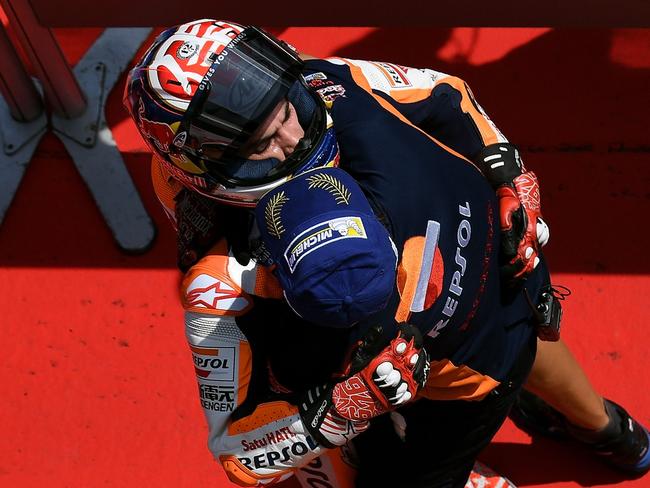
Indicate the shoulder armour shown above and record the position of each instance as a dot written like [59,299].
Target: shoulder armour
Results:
[208,287]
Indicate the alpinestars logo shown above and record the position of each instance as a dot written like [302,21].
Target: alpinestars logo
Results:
[208,292]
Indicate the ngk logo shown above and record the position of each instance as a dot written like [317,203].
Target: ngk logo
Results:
[214,363]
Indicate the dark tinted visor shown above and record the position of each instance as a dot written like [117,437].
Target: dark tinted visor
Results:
[245,82]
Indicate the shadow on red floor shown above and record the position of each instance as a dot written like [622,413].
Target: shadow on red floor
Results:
[98,383]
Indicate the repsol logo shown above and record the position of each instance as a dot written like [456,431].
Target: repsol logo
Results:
[273,458]
[395,75]
[214,363]
[455,290]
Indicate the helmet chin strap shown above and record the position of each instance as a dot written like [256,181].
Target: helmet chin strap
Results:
[259,168]
[303,144]
[247,169]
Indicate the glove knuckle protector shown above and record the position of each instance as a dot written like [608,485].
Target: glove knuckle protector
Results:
[335,413]
[408,362]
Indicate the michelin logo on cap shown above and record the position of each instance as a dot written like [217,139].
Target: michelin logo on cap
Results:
[322,234]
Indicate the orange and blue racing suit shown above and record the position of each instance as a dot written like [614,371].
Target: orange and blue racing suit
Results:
[408,136]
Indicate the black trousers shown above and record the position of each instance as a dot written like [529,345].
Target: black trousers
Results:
[443,438]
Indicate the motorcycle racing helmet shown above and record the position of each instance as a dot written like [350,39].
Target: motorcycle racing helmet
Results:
[203,88]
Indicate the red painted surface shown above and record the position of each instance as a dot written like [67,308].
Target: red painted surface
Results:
[97,382]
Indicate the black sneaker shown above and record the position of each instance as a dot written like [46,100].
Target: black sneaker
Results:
[623,444]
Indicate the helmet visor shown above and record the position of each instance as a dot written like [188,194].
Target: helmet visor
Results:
[246,81]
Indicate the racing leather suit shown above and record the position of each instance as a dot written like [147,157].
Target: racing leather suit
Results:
[407,135]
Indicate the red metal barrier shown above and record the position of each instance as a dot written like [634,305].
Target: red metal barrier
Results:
[15,84]
[59,84]
[77,99]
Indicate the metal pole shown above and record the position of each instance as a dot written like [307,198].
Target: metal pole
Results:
[62,91]
[16,86]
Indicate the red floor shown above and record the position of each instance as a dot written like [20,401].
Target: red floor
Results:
[98,385]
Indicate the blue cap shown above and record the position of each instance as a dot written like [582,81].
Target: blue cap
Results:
[335,260]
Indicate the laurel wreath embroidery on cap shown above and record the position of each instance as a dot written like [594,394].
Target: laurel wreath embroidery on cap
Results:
[272,214]
[332,185]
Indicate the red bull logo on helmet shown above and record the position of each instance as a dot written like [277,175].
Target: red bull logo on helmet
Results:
[155,132]
[183,59]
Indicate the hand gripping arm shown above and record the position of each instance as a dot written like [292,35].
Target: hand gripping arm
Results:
[523,231]
[335,413]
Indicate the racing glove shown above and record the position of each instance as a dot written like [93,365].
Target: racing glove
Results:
[335,413]
[523,231]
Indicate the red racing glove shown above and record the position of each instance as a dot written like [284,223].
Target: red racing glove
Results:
[523,231]
[391,379]
[336,413]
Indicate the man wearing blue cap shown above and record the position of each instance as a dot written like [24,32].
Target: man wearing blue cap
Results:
[336,262]
[337,265]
